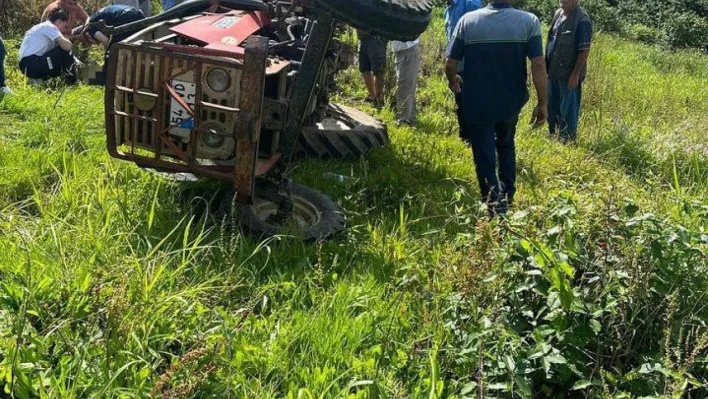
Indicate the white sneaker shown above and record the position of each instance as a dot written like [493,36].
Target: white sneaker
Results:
[5,90]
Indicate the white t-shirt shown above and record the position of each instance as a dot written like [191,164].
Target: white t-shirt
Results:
[400,46]
[39,39]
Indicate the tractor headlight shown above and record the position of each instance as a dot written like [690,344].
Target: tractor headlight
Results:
[218,79]
[144,100]
[213,138]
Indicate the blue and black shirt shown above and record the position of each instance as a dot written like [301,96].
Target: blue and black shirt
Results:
[494,43]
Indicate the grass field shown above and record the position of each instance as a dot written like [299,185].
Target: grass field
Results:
[115,283]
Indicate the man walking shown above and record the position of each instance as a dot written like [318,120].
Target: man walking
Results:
[453,12]
[566,59]
[407,56]
[494,43]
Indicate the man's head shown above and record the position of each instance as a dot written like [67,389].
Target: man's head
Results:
[59,17]
[568,5]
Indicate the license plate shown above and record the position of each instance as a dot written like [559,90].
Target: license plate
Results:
[178,115]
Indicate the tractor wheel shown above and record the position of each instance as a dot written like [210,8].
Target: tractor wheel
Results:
[345,133]
[302,212]
[390,19]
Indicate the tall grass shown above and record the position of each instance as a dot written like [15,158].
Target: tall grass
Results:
[116,283]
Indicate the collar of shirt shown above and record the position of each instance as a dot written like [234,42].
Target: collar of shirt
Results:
[500,5]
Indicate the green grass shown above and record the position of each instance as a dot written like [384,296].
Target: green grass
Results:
[116,283]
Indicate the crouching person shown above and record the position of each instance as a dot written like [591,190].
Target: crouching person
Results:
[45,52]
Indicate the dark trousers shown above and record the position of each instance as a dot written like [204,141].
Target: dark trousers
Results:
[461,114]
[2,63]
[563,109]
[57,62]
[489,141]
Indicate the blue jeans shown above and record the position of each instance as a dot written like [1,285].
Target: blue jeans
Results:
[563,109]
[2,63]
[490,140]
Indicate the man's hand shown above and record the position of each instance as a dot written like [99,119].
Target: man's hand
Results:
[456,84]
[539,116]
[573,81]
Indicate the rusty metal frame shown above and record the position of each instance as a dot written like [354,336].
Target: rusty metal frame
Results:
[247,129]
[248,116]
[306,81]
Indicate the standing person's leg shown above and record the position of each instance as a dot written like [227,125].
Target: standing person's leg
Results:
[407,64]
[378,65]
[370,85]
[553,106]
[461,121]
[570,112]
[506,151]
[2,64]
[365,69]
[481,138]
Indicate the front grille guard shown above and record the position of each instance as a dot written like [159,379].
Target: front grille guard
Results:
[141,136]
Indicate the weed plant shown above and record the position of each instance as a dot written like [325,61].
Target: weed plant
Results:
[116,283]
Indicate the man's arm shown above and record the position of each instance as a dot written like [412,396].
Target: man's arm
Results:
[64,43]
[538,72]
[580,63]
[454,80]
[583,38]
[83,16]
[455,52]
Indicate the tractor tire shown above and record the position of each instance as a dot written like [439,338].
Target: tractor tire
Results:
[390,19]
[345,133]
[313,215]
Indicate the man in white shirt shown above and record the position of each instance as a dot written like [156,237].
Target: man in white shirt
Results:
[45,52]
[407,66]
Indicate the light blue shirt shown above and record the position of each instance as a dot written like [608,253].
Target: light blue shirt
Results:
[455,11]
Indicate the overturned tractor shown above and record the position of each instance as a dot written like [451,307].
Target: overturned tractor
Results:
[234,89]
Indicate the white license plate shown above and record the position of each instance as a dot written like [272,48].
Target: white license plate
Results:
[178,115]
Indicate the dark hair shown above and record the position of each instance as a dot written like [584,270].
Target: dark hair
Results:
[58,14]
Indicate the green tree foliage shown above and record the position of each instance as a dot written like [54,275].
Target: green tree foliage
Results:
[674,23]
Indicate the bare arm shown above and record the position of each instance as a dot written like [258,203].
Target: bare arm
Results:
[453,78]
[538,72]
[64,43]
[84,15]
[582,60]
